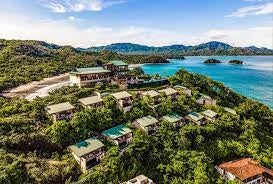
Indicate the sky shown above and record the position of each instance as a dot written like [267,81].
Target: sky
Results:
[86,23]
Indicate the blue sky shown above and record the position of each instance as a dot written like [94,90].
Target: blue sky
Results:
[152,22]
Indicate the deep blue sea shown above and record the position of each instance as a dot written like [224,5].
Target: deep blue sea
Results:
[253,79]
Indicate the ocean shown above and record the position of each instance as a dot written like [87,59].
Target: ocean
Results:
[253,79]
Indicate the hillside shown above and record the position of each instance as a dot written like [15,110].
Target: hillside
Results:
[25,61]
[210,48]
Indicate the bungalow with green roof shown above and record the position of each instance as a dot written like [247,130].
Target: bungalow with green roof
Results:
[124,100]
[84,76]
[91,102]
[185,90]
[155,96]
[171,93]
[117,66]
[88,153]
[206,100]
[174,118]
[196,118]
[209,115]
[148,124]
[119,135]
[62,111]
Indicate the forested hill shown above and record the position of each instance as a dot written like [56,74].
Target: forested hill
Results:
[210,48]
[25,61]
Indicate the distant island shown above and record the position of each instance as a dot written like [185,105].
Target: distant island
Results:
[236,62]
[204,49]
[212,61]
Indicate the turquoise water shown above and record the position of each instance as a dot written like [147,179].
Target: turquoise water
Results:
[254,79]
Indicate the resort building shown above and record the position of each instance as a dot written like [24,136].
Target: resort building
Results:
[88,153]
[206,100]
[155,96]
[247,170]
[124,100]
[84,76]
[229,110]
[196,118]
[91,102]
[209,115]
[174,118]
[119,135]
[148,124]
[171,93]
[117,67]
[62,111]
[141,179]
[185,90]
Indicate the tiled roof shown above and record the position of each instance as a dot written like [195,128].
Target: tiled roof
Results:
[90,100]
[122,94]
[245,168]
[168,91]
[117,131]
[151,93]
[147,121]
[91,70]
[84,147]
[230,110]
[52,109]
[209,113]
[195,116]
[172,118]
[119,63]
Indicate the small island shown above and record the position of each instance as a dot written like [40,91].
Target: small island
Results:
[236,62]
[212,61]
[155,59]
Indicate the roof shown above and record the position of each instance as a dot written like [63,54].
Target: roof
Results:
[205,96]
[117,131]
[147,121]
[195,116]
[172,118]
[61,107]
[230,110]
[151,93]
[119,63]
[245,168]
[209,113]
[122,94]
[90,100]
[87,146]
[168,91]
[90,70]
[139,179]
[181,87]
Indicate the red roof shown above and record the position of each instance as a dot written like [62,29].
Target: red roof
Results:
[245,168]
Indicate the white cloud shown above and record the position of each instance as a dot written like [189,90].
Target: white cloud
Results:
[262,9]
[79,5]
[66,32]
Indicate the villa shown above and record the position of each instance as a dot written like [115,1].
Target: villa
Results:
[84,76]
[196,118]
[185,90]
[171,93]
[206,100]
[155,96]
[209,115]
[247,170]
[124,100]
[117,67]
[91,102]
[229,110]
[119,135]
[147,124]
[88,153]
[141,179]
[174,118]
[62,111]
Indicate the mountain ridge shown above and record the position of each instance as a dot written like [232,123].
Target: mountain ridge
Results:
[209,48]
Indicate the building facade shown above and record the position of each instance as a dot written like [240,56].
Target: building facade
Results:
[124,100]
[62,111]
[148,124]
